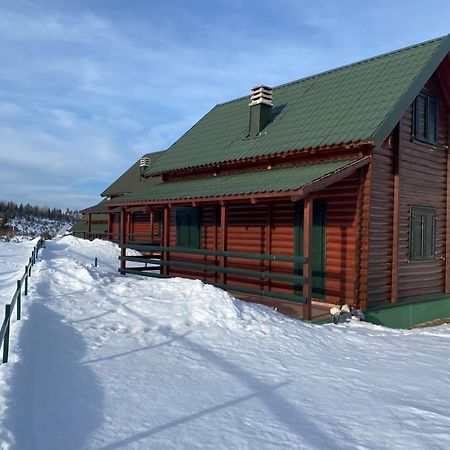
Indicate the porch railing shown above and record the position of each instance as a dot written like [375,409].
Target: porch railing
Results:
[16,301]
[160,257]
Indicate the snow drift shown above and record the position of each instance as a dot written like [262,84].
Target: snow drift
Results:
[107,361]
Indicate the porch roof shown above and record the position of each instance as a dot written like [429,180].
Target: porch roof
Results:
[287,180]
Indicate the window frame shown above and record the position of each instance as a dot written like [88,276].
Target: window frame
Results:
[428,100]
[429,214]
[194,236]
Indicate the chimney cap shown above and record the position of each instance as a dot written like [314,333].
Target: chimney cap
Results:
[144,161]
[261,95]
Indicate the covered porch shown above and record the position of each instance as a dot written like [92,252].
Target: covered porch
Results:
[296,250]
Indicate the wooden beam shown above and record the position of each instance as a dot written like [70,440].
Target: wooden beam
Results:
[365,238]
[166,238]
[268,241]
[447,223]
[396,214]
[123,237]
[110,219]
[308,205]
[216,238]
[129,224]
[223,238]
[89,222]
[152,219]
[358,232]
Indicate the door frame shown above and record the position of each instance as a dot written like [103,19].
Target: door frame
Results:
[318,265]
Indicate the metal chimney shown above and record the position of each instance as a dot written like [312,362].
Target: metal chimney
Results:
[143,164]
[261,106]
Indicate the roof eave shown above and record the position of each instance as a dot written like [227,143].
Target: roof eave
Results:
[391,120]
[293,195]
[350,145]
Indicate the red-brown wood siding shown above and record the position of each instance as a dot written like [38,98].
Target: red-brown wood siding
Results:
[115,226]
[380,237]
[422,182]
[341,201]
[248,232]
[140,227]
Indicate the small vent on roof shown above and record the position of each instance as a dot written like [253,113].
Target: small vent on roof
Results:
[261,94]
[261,106]
[144,163]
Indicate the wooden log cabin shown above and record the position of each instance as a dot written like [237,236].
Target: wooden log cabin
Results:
[330,189]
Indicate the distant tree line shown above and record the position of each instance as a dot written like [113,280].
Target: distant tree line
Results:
[12,209]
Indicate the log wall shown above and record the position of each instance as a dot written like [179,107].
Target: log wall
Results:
[422,182]
[269,228]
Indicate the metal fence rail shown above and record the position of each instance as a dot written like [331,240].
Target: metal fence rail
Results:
[17,301]
[154,263]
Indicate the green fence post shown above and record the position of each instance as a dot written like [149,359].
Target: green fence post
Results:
[26,281]
[29,265]
[95,262]
[19,300]
[6,341]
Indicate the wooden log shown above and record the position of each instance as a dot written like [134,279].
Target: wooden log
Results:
[396,216]
[307,252]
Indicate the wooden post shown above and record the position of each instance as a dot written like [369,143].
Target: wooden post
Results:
[396,216]
[308,205]
[130,226]
[216,238]
[268,242]
[152,220]
[223,240]
[358,236]
[110,236]
[123,237]
[89,225]
[166,238]
[447,223]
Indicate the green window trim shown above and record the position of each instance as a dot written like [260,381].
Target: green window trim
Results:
[426,118]
[422,242]
[188,227]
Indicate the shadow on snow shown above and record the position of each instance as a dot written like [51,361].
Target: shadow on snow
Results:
[55,402]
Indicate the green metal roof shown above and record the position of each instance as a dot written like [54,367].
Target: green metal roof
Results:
[131,179]
[258,181]
[359,102]
[98,208]
[81,226]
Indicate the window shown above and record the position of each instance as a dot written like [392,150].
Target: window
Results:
[188,227]
[426,118]
[422,233]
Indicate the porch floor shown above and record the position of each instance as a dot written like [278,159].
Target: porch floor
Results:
[319,310]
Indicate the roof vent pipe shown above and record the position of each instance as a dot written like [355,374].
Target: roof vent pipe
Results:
[144,163]
[261,106]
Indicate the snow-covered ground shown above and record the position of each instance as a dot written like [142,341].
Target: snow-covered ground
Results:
[13,259]
[104,361]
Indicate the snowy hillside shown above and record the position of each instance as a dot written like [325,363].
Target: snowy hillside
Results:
[31,227]
[104,361]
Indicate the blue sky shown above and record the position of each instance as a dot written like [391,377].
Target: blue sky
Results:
[87,87]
